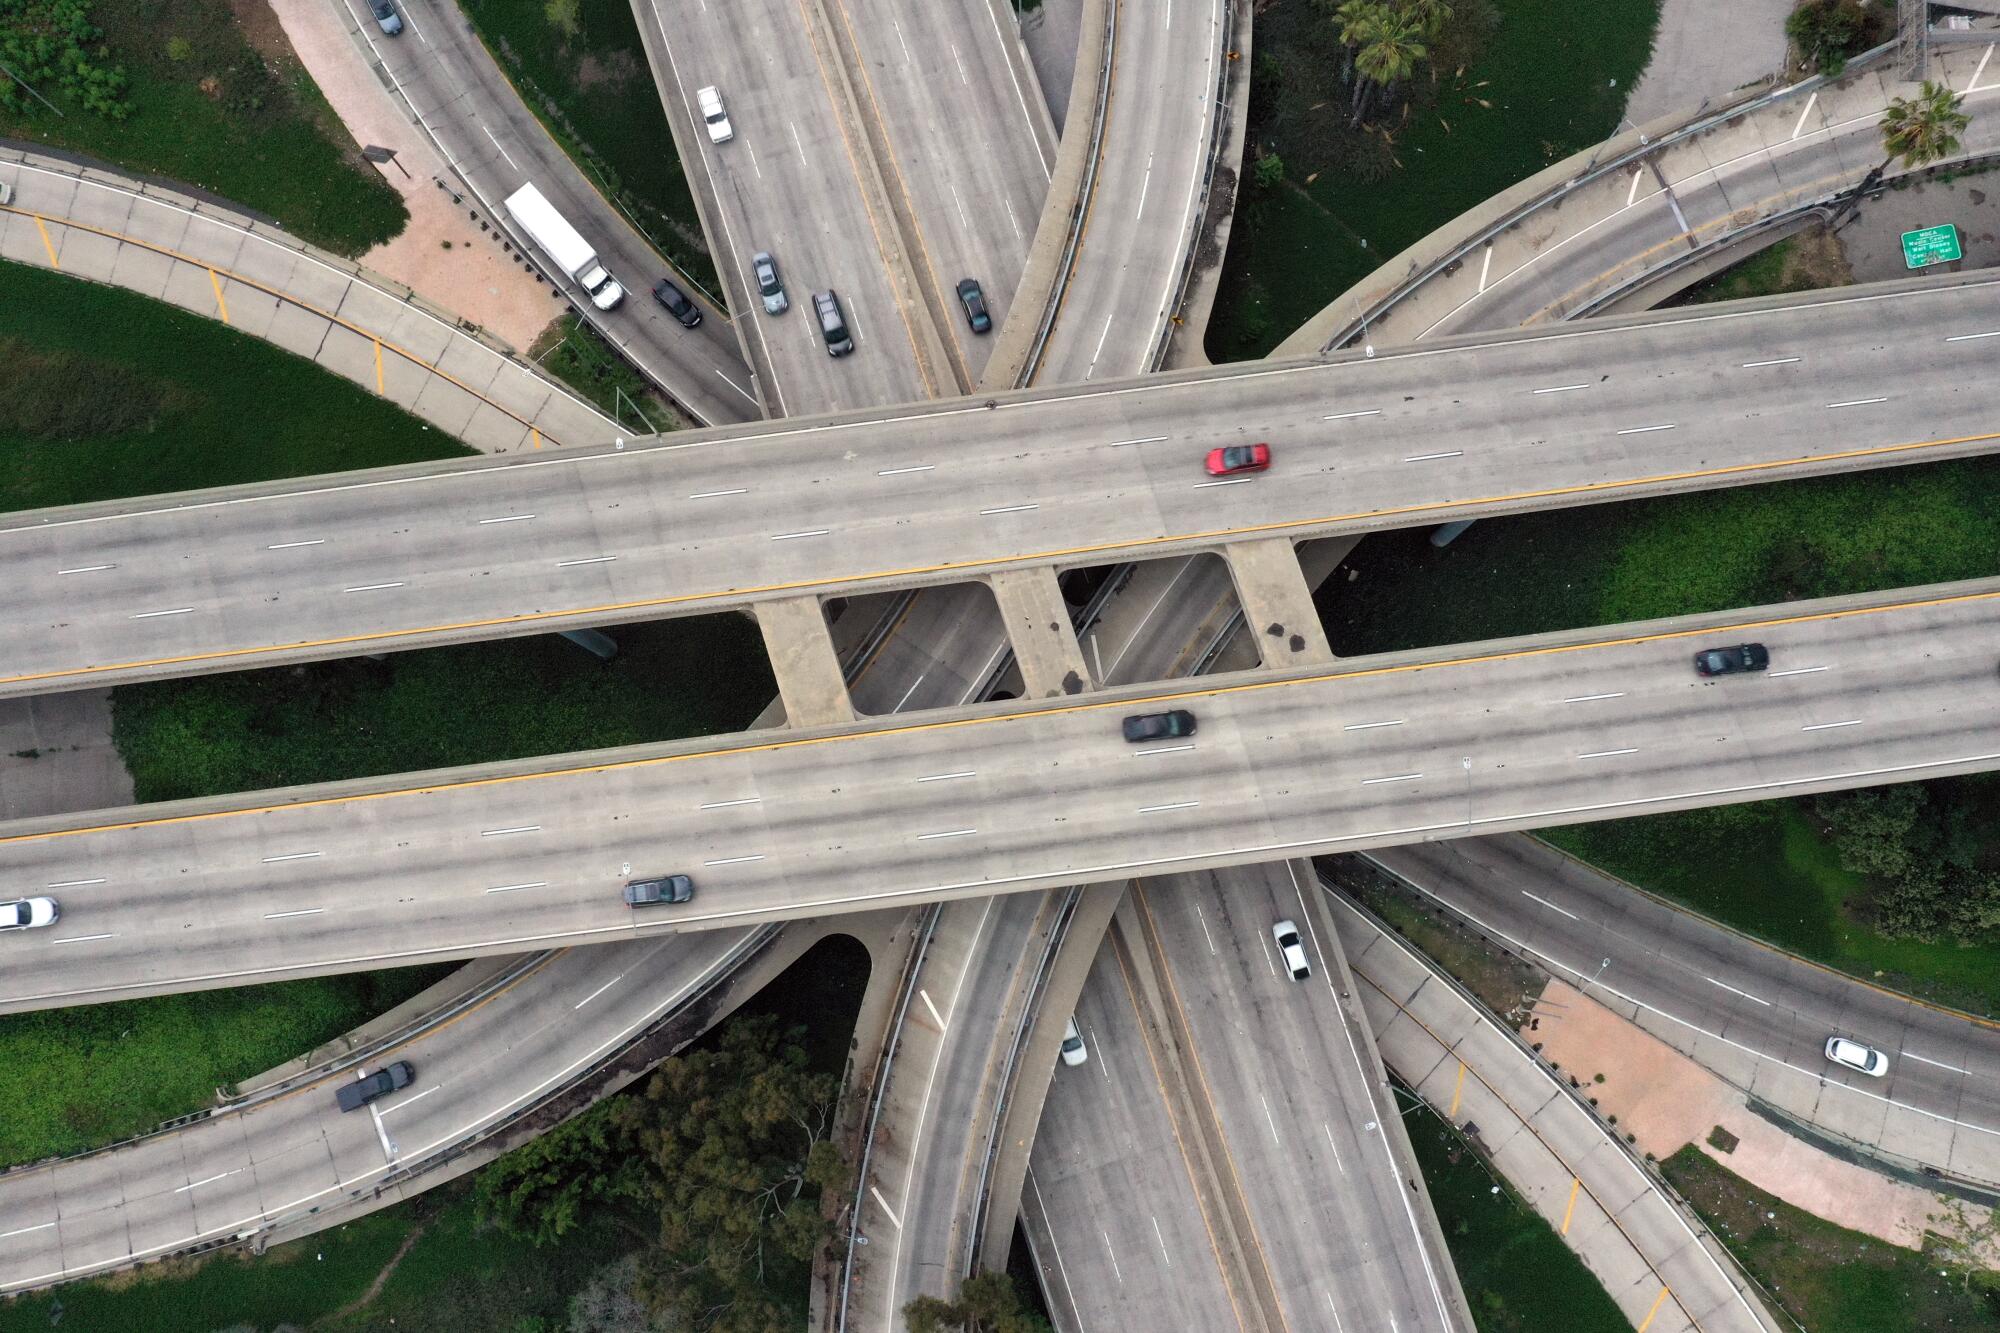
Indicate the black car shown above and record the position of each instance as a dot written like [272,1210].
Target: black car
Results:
[353,1096]
[665,889]
[1159,726]
[1729,661]
[677,304]
[974,302]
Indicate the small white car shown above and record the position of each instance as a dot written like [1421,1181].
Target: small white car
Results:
[717,119]
[25,913]
[1292,949]
[1865,1059]
[1074,1052]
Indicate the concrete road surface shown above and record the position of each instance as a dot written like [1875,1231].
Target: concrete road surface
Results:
[408,557]
[1521,734]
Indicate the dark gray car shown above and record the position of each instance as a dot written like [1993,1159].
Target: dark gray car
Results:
[832,323]
[353,1096]
[663,889]
[677,303]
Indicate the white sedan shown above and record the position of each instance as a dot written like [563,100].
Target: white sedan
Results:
[28,912]
[712,115]
[1865,1059]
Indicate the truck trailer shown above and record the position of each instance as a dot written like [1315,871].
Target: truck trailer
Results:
[560,242]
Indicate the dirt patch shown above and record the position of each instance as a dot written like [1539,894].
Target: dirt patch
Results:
[381,1278]
[1816,260]
[260,27]
[610,69]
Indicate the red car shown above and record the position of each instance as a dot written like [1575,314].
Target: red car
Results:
[1238,458]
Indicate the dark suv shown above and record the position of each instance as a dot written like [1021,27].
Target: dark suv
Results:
[1729,661]
[353,1096]
[665,889]
[1165,726]
[677,304]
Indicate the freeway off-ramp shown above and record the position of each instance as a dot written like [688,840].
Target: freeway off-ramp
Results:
[408,557]
[1002,799]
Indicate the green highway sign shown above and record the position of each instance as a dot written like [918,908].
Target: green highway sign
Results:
[1931,245]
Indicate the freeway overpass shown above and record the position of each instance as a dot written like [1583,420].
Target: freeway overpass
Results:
[1004,798]
[438,553]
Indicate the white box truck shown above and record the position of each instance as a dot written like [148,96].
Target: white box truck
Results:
[560,241]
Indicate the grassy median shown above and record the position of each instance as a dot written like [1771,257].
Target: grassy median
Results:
[218,100]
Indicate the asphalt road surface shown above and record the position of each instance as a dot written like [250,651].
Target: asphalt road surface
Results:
[489,136]
[1755,1015]
[408,557]
[1003,798]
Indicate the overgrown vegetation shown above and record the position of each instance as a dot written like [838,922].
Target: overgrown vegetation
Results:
[1517,1274]
[1829,1279]
[1501,89]
[52,44]
[1812,260]
[1930,851]
[439,1270]
[1827,34]
[988,1303]
[577,355]
[188,90]
[109,394]
[78,1078]
[581,66]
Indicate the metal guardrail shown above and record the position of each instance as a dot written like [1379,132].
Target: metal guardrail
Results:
[1218,131]
[1700,124]
[1575,1095]
[907,988]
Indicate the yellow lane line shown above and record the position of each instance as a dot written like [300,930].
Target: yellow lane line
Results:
[379,389]
[47,244]
[1457,1091]
[952,724]
[222,305]
[234,276]
[1653,1313]
[1569,1210]
[739,595]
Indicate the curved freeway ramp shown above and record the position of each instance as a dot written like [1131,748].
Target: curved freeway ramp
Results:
[1604,221]
[90,224]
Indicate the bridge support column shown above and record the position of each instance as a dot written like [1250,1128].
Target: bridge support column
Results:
[1038,626]
[1277,602]
[593,641]
[802,658]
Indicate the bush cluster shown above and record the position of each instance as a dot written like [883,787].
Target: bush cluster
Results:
[54,42]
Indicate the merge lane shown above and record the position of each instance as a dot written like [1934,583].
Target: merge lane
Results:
[405,558]
[1373,754]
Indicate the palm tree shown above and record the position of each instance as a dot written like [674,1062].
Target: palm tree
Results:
[1920,130]
[1354,19]
[1923,129]
[1429,14]
[1391,47]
